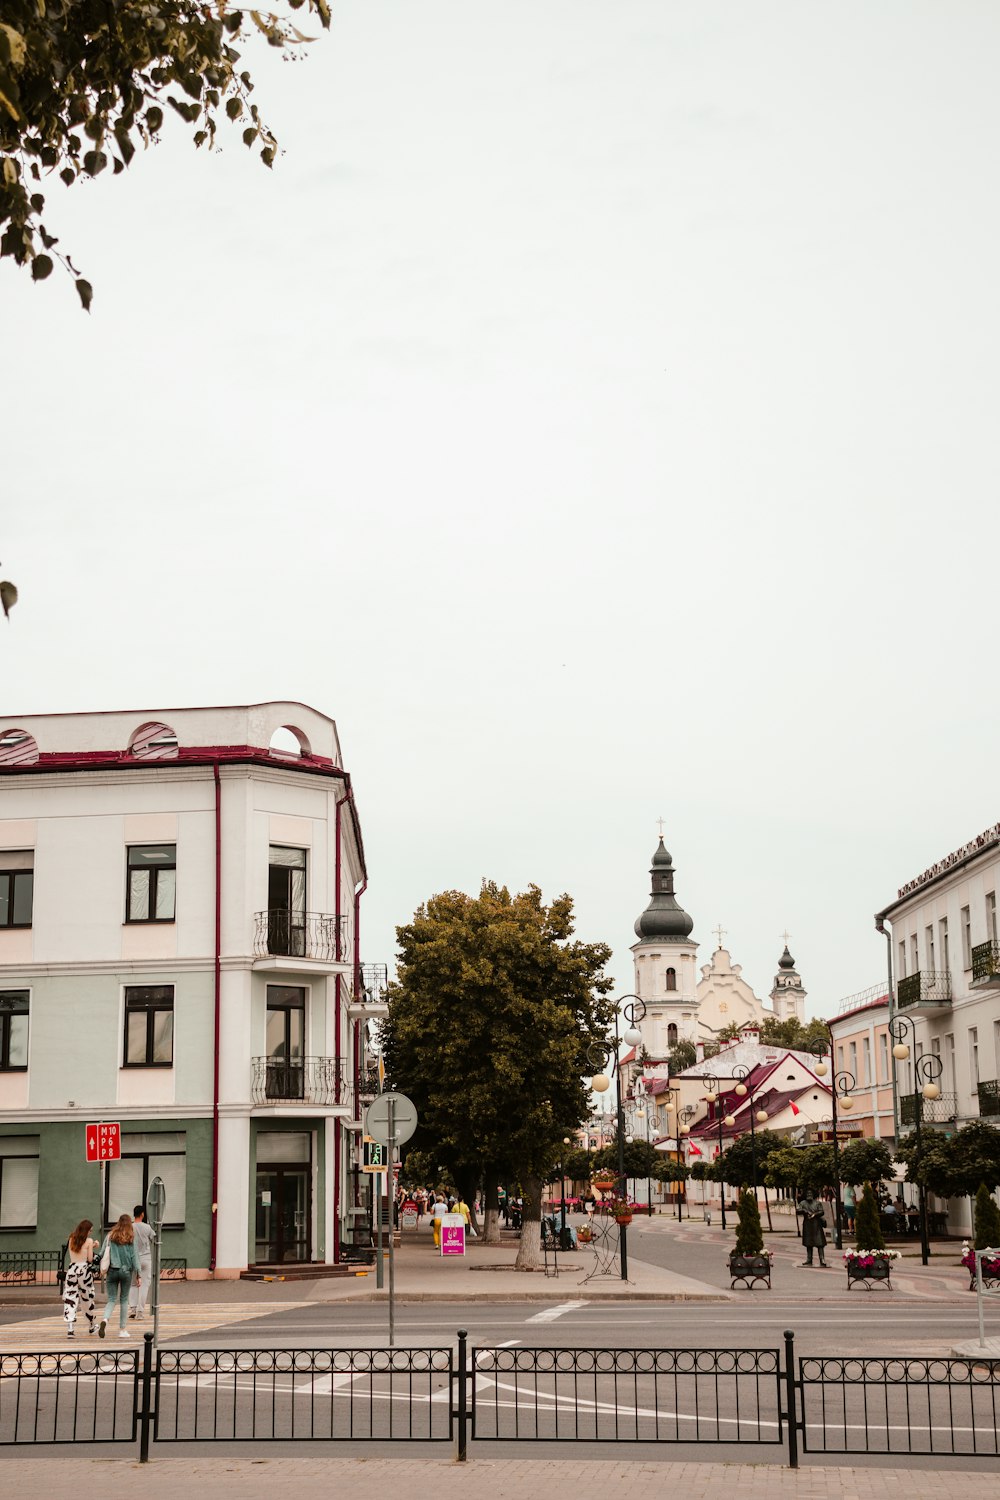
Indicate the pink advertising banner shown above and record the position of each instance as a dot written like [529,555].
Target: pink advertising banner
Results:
[452,1234]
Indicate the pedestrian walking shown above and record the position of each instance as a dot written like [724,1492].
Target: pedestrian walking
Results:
[120,1263]
[850,1209]
[439,1209]
[143,1237]
[813,1228]
[78,1285]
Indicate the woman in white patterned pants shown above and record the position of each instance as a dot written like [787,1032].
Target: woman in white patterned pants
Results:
[78,1284]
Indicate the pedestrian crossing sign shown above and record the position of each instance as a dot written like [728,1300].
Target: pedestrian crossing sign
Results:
[376,1155]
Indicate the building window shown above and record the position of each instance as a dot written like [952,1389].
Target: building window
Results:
[840,1059]
[991,916]
[949,1062]
[966,938]
[902,959]
[852,1052]
[672,1034]
[19,1182]
[945,951]
[929,940]
[286,901]
[866,1057]
[17,884]
[883,1056]
[149,1026]
[152,883]
[285,1036]
[671,979]
[145,1156]
[914,953]
[974,1056]
[13,1031]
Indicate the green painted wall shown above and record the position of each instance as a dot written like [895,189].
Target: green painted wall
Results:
[69,1187]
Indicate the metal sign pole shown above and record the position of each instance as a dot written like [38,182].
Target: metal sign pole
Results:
[379,1269]
[156,1202]
[390,1186]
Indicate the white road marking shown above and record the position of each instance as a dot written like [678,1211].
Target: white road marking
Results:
[551,1313]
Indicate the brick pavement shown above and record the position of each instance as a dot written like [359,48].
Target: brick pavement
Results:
[40,1477]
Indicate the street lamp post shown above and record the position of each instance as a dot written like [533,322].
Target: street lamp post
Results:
[929,1068]
[641,1113]
[562,1192]
[712,1096]
[599,1082]
[684,1118]
[741,1073]
[841,1084]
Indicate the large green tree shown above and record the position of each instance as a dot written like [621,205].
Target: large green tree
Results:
[864,1160]
[953,1167]
[85,83]
[490,1021]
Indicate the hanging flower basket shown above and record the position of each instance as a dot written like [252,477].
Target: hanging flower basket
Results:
[603,1182]
[623,1217]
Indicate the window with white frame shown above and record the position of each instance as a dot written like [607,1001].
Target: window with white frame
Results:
[991,916]
[949,1062]
[19,1182]
[945,951]
[146,1155]
[17,886]
[966,938]
[883,1056]
[929,944]
[866,1059]
[902,959]
[914,954]
[974,1056]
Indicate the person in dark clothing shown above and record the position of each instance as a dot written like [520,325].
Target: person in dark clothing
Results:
[813,1228]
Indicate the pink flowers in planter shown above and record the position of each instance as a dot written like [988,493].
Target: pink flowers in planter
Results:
[864,1260]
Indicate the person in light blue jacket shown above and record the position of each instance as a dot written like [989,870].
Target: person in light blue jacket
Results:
[121,1266]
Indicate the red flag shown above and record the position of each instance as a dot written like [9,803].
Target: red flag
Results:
[693,1149]
[795,1109]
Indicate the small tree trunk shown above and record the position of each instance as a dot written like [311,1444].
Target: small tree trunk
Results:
[767,1206]
[529,1251]
[491,1200]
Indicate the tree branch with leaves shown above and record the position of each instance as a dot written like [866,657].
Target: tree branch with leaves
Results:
[85,83]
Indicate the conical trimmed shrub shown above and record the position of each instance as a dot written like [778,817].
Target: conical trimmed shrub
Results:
[868,1230]
[986,1220]
[749,1235]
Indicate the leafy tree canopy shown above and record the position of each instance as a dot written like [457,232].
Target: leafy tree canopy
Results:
[489,1023]
[85,83]
[736,1165]
[866,1161]
[681,1055]
[788,1033]
[953,1167]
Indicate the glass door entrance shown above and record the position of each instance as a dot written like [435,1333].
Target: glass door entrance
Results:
[284,1215]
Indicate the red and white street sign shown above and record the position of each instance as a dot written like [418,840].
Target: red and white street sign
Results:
[104,1142]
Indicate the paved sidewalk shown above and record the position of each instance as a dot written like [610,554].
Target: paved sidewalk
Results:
[39,1478]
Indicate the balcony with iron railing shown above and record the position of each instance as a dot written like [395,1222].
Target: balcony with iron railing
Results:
[314,1081]
[927,990]
[986,966]
[283,936]
[939,1111]
[989,1097]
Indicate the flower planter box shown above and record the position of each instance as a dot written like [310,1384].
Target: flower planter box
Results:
[877,1270]
[750,1269]
[991,1273]
[623,1220]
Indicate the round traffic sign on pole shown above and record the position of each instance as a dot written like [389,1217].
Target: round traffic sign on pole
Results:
[404,1118]
[156,1202]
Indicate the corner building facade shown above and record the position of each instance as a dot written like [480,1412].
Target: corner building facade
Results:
[179,913]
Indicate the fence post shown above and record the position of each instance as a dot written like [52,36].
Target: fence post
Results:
[145,1391]
[791,1401]
[463,1396]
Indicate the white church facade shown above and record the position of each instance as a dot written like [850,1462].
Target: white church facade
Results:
[683,1003]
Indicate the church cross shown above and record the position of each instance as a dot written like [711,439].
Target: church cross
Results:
[659,824]
[786,938]
[720,933]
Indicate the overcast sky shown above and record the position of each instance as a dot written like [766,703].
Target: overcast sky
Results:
[594,412]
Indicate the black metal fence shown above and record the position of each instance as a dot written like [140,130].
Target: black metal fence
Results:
[26,1267]
[267,1395]
[488,1393]
[70,1398]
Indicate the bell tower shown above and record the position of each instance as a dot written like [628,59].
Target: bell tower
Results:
[664,963]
